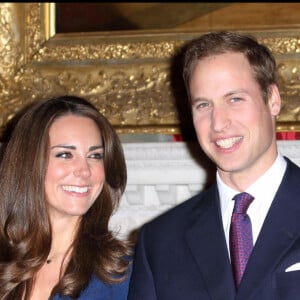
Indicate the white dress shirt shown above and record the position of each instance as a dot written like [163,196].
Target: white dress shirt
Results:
[263,190]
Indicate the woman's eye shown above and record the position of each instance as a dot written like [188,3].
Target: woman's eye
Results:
[98,156]
[64,155]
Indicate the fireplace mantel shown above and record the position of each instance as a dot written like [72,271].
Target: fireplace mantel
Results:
[162,175]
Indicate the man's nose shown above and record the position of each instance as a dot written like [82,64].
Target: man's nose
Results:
[220,119]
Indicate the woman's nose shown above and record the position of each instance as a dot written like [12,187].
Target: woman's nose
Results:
[82,168]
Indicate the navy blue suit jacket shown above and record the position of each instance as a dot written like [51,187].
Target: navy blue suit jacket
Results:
[182,255]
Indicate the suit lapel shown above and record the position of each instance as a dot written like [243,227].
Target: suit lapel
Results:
[279,232]
[207,242]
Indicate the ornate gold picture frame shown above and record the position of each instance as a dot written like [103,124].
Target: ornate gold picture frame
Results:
[131,77]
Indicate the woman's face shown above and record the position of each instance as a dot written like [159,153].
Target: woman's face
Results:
[75,173]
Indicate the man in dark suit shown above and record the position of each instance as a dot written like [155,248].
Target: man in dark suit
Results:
[189,252]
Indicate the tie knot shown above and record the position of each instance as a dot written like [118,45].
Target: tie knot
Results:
[242,202]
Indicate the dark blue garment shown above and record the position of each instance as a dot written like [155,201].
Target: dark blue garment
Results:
[183,255]
[97,290]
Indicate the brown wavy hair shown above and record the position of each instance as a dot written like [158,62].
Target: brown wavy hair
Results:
[258,55]
[25,231]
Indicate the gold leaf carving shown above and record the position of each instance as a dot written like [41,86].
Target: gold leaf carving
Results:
[128,77]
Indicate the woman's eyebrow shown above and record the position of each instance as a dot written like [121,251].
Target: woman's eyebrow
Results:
[64,146]
[92,148]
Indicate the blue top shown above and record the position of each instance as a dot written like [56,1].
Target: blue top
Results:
[97,290]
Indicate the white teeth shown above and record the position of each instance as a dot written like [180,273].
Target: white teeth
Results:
[76,189]
[227,143]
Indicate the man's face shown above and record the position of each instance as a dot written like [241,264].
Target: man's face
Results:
[234,126]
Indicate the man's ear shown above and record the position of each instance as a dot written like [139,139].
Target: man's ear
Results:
[274,100]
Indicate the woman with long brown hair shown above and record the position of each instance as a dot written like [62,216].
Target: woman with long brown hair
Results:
[62,175]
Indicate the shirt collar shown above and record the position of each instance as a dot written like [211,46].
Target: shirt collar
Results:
[270,179]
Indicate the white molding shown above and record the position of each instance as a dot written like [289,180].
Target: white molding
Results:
[160,176]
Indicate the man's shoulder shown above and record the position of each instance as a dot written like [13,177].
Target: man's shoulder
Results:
[183,212]
[292,164]
[291,177]
[292,170]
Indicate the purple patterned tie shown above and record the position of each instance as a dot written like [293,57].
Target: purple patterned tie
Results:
[241,242]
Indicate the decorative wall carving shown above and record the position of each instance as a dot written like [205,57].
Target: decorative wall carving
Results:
[162,175]
[130,77]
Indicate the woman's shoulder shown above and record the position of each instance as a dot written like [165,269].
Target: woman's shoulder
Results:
[97,289]
[115,291]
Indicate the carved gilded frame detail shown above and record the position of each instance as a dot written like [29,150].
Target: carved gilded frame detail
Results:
[127,76]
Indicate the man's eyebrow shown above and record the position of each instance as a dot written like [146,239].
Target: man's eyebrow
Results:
[230,93]
[239,91]
[199,99]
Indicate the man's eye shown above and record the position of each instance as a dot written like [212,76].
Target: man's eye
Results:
[202,105]
[64,155]
[236,99]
